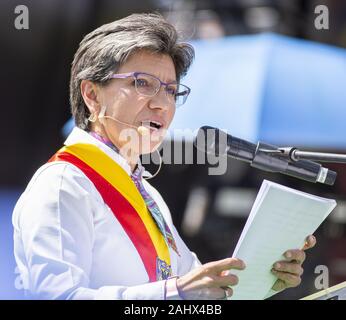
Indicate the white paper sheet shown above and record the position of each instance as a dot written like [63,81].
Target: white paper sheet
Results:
[280,219]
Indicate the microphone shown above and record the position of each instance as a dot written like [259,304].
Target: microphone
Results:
[261,156]
[142,130]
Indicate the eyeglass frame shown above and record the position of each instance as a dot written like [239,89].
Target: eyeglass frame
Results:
[164,84]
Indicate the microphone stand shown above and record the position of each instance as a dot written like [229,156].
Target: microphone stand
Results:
[292,161]
[295,154]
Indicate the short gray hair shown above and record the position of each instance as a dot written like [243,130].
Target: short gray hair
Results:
[105,49]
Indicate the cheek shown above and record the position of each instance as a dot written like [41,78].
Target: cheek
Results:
[136,106]
[171,116]
[125,104]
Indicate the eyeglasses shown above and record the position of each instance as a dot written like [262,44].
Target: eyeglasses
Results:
[149,85]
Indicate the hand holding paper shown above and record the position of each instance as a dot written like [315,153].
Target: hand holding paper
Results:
[209,281]
[280,220]
[289,271]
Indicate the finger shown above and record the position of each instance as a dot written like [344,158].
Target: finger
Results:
[309,243]
[279,285]
[225,264]
[290,280]
[214,293]
[224,273]
[214,281]
[297,255]
[290,267]
[228,292]
[227,280]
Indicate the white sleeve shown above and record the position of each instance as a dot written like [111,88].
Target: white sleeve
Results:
[53,239]
[188,259]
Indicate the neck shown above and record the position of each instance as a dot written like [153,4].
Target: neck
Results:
[130,156]
[132,160]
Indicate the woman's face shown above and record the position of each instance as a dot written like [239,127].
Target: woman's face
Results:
[124,104]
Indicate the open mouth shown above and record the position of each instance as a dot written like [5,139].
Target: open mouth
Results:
[155,125]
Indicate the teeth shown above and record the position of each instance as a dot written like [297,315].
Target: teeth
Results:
[150,123]
[158,123]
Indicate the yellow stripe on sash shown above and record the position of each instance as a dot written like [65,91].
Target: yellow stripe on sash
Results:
[119,179]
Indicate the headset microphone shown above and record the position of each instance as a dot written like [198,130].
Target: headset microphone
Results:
[144,131]
[141,129]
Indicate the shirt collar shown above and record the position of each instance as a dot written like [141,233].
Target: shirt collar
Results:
[80,136]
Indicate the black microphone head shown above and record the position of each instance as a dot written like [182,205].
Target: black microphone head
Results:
[331,177]
[211,140]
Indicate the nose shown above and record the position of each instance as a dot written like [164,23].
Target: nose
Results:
[161,101]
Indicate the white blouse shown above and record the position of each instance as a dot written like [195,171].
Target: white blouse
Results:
[69,245]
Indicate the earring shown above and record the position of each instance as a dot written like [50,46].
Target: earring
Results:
[93,117]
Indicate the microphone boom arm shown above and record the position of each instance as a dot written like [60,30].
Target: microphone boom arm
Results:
[271,158]
[267,157]
[295,154]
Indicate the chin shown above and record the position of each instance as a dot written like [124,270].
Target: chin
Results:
[149,148]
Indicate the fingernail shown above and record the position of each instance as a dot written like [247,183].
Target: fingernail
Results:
[288,255]
[277,265]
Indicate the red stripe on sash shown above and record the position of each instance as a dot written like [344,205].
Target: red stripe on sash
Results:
[122,210]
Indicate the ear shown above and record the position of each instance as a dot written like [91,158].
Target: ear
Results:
[90,94]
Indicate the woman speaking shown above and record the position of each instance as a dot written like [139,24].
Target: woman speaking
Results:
[88,225]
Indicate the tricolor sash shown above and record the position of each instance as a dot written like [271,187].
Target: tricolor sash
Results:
[121,195]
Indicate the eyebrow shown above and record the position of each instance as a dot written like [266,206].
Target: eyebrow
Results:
[168,81]
[128,74]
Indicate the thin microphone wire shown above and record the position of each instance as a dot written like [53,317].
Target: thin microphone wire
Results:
[102,115]
[126,124]
[158,170]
